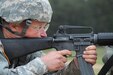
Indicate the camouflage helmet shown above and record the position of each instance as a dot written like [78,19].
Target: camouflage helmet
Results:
[19,10]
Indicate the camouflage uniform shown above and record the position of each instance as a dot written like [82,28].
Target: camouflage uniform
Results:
[17,11]
[108,54]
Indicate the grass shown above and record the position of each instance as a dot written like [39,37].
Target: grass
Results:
[99,63]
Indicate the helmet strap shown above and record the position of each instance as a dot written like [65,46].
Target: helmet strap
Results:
[26,26]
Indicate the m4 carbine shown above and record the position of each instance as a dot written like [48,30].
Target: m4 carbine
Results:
[67,37]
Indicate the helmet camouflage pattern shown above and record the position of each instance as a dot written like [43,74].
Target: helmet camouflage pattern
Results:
[19,10]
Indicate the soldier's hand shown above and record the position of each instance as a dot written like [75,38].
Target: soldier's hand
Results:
[90,54]
[55,60]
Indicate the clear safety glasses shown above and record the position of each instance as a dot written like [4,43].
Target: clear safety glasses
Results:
[28,22]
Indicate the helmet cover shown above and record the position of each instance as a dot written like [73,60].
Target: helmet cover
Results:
[19,10]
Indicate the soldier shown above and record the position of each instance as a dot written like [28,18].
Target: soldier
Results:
[27,19]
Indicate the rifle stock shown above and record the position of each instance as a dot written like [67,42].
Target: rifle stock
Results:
[15,48]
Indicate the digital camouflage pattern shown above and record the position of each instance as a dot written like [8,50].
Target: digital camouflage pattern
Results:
[19,10]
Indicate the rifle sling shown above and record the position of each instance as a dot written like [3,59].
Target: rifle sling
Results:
[106,66]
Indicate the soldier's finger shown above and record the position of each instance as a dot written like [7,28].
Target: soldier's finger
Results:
[65,52]
[94,57]
[91,47]
[91,61]
[90,52]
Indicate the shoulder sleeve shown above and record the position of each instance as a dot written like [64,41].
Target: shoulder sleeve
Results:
[34,67]
[34,55]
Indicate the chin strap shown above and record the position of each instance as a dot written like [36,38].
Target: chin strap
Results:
[26,26]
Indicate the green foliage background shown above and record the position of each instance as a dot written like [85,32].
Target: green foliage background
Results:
[95,13]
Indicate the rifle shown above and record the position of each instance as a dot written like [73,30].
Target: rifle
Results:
[63,39]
